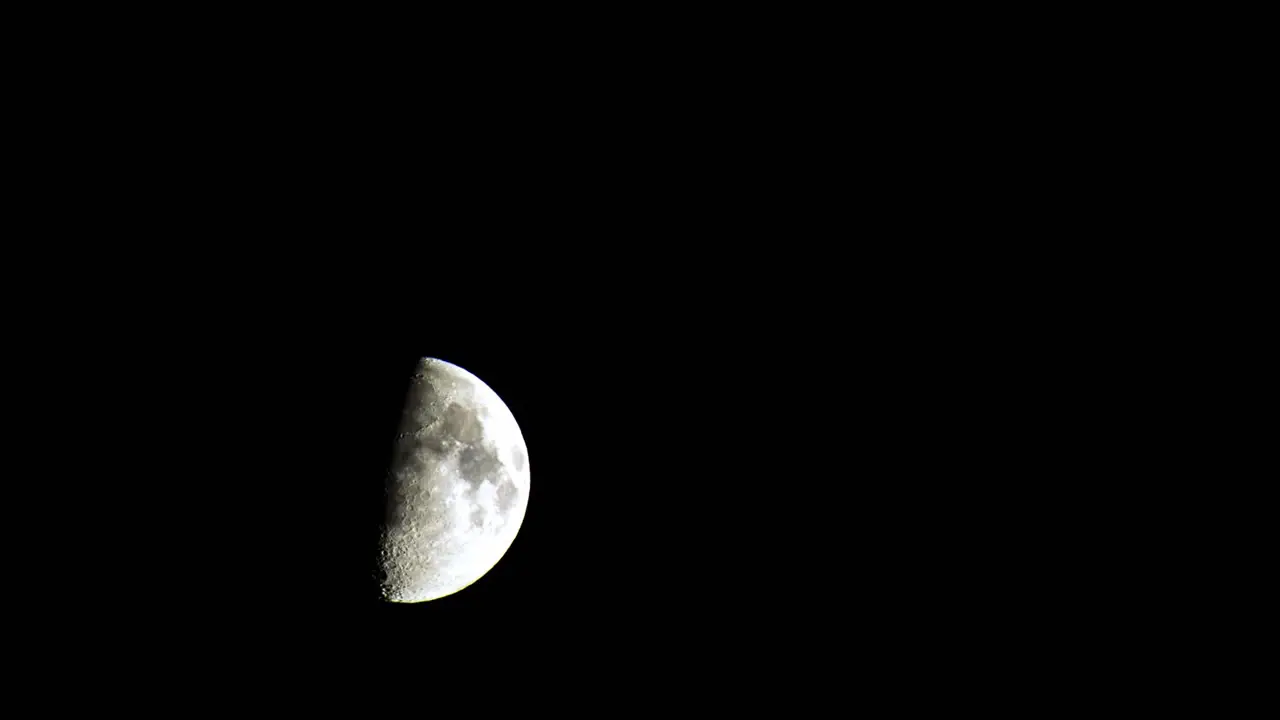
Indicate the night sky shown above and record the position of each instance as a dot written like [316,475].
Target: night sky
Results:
[728,465]
[805,354]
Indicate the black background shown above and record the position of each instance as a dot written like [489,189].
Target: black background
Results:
[738,443]
[746,445]
[693,435]
[759,400]
[824,335]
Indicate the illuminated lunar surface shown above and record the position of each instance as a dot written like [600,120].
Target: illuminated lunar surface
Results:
[457,489]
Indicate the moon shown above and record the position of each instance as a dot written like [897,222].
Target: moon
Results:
[457,488]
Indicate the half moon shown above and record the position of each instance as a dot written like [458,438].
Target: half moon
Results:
[457,489]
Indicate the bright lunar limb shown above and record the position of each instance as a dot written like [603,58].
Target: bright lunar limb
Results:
[457,489]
